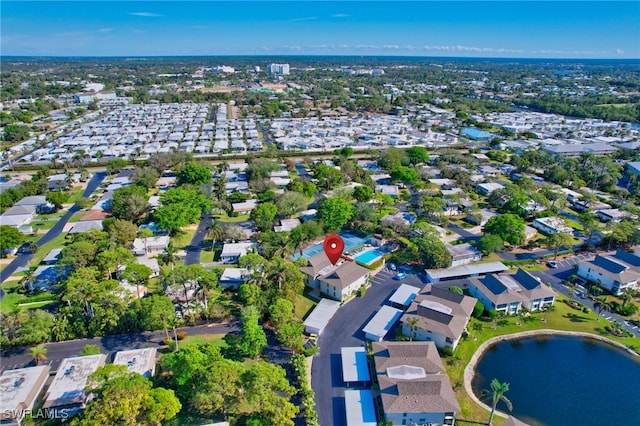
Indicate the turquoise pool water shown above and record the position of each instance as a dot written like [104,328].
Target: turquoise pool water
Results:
[369,257]
[351,241]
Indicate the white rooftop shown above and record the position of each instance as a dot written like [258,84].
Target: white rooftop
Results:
[141,361]
[68,386]
[321,314]
[19,389]
[404,294]
[382,322]
[355,367]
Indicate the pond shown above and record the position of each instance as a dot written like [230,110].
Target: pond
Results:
[562,380]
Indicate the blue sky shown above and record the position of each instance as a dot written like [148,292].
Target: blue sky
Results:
[540,29]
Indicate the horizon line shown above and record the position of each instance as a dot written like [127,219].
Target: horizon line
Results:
[311,55]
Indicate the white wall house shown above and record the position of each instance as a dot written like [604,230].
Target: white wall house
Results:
[615,273]
[510,293]
[551,225]
[336,281]
[232,252]
[442,316]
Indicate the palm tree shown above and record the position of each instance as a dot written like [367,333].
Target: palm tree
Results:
[215,232]
[39,354]
[412,322]
[497,394]
[602,305]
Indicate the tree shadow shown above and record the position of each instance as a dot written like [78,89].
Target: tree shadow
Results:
[576,318]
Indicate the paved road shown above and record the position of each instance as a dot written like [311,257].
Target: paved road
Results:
[194,248]
[345,329]
[22,260]
[463,232]
[265,134]
[19,357]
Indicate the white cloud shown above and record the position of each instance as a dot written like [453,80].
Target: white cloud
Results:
[340,15]
[619,51]
[146,14]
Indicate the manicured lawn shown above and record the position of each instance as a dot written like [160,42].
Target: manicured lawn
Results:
[75,194]
[183,239]
[303,306]
[572,223]
[214,339]
[563,318]
[57,242]
[11,296]
[206,256]
[226,219]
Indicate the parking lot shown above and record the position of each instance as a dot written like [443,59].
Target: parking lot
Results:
[573,260]
[386,276]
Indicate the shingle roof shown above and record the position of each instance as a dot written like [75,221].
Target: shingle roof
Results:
[430,394]
[418,354]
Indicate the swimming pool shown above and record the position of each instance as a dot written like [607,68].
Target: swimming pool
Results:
[369,257]
[351,241]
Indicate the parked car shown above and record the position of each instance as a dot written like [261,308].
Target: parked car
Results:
[392,266]
[552,264]
[400,276]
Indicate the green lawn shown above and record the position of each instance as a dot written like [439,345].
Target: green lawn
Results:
[563,318]
[226,219]
[183,239]
[303,306]
[11,296]
[57,242]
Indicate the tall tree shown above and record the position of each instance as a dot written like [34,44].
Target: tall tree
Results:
[335,213]
[558,240]
[497,394]
[509,227]
[193,174]
[10,238]
[253,339]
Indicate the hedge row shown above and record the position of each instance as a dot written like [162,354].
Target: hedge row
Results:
[299,364]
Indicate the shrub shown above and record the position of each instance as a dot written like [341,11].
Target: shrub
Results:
[167,341]
[180,335]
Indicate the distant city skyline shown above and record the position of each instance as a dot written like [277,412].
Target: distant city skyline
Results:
[509,29]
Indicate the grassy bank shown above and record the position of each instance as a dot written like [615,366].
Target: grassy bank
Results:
[563,318]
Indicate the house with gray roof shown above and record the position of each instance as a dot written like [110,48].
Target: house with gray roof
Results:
[337,281]
[441,315]
[510,293]
[413,389]
[615,273]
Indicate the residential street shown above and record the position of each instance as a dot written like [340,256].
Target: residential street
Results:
[23,259]
[345,329]
[19,357]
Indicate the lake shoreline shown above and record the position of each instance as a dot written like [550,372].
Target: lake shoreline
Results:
[470,369]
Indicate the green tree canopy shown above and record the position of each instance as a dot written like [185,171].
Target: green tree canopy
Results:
[10,238]
[509,227]
[336,212]
[263,215]
[193,174]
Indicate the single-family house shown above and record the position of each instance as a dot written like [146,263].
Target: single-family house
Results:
[150,245]
[399,219]
[551,225]
[488,187]
[231,252]
[615,273]
[233,277]
[612,215]
[441,315]
[462,254]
